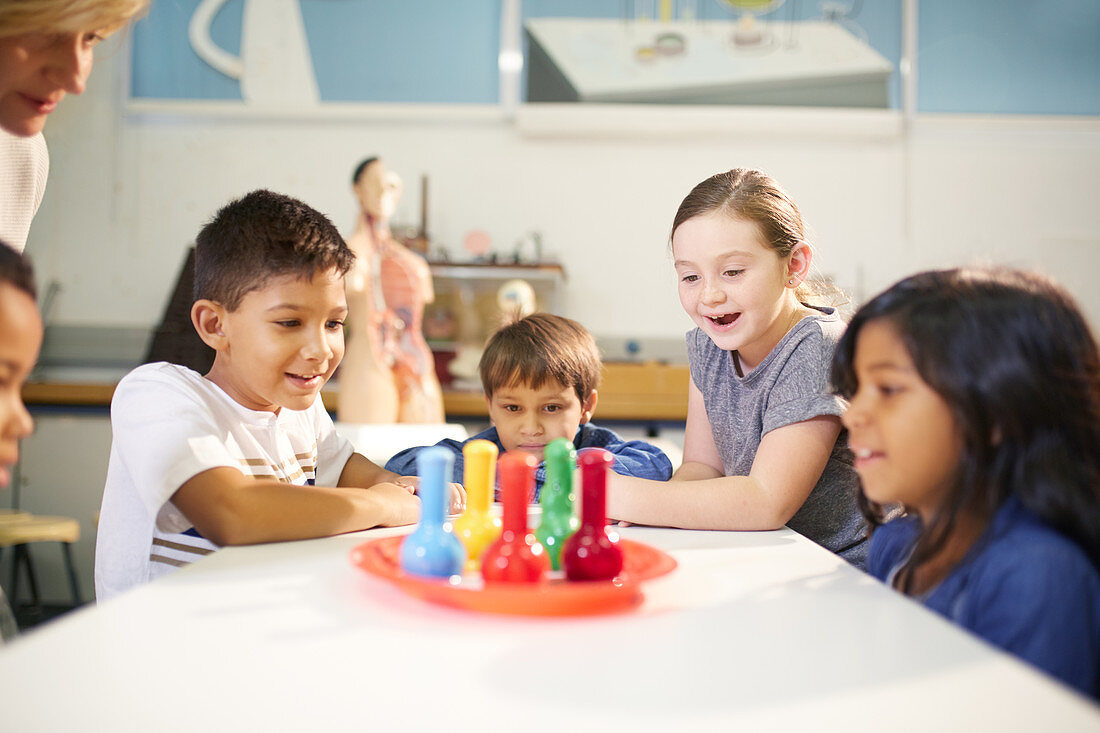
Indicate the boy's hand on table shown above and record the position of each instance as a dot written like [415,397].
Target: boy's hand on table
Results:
[403,506]
[458,499]
[409,483]
[458,492]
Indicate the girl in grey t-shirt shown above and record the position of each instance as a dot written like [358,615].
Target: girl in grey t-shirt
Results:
[763,444]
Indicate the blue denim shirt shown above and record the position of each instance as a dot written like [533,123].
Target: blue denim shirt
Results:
[632,457]
[1023,587]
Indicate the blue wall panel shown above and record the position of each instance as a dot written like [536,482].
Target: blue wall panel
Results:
[977,56]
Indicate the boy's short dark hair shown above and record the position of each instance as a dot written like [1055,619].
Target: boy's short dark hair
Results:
[540,348]
[16,270]
[262,236]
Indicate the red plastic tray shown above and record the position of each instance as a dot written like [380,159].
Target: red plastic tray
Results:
[554,597]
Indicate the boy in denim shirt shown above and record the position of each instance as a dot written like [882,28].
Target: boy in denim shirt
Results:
[540,375]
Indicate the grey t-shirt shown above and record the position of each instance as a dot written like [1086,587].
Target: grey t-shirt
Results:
[790,385]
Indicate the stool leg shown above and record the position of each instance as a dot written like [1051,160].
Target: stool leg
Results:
[31,577]
[67,549]
[14,575]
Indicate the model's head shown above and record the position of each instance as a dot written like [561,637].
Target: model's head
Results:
[262,236]
[46,52]
[20,341]
[377,188]
[540,375]
[988,382]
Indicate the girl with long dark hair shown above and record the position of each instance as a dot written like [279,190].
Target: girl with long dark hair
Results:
[975,403]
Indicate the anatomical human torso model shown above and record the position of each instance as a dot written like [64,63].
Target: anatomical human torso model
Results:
[388,372]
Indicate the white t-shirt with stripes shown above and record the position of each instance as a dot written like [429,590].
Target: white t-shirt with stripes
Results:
[169,424]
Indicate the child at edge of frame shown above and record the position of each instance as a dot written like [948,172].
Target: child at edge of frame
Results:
[975,404]
[21,333]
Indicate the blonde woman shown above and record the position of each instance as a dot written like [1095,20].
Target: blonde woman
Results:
[46,51]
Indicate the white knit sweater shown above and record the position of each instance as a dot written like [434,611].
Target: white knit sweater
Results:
[24,166]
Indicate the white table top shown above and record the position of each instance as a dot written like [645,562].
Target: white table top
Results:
[758,630]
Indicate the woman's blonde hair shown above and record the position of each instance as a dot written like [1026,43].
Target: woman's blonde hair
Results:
[66,16]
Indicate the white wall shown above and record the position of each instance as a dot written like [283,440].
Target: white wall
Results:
[128,193]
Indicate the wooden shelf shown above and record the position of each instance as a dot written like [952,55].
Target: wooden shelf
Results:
[68,393]
[498,270]
[627,392]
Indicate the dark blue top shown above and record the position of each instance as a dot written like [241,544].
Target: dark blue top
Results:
[1023,587]
[632,457]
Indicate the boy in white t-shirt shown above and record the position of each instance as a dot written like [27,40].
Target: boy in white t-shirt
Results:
[240,455]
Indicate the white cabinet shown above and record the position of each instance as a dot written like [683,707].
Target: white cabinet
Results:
[467,310]
[466,297]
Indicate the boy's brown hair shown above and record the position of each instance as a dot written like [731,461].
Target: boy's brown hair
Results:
[262,236]
[540,348]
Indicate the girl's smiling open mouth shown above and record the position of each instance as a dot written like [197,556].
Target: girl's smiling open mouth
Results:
[865,456]
[725,319]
